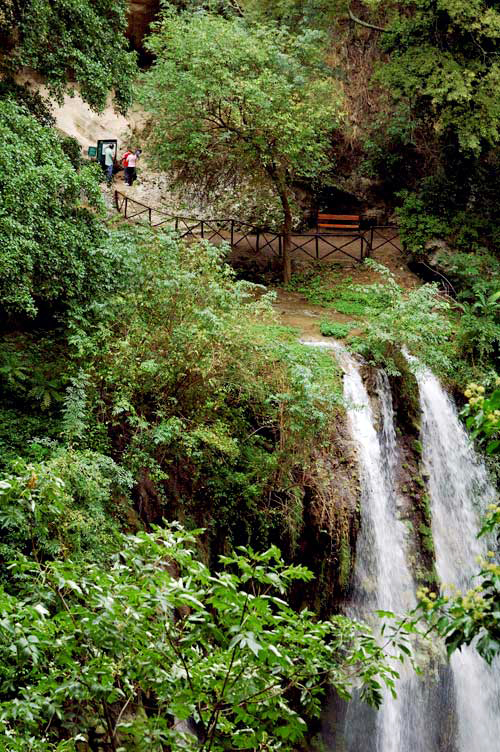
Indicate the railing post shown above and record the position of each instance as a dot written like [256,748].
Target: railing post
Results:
[177,224]
[316,243]
[232,232]
[150,216]
[116,201]
[126,206]
[279,245]
[202,229]
[258,241]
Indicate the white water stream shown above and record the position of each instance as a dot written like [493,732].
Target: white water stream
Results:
[382,577]
[458,710]
[459,491]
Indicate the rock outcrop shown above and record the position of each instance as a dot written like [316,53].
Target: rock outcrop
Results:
[140,15]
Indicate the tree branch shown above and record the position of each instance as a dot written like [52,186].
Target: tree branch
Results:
[364,23]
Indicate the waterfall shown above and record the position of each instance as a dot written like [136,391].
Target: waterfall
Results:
[459,709]
[382,578]
[459,492]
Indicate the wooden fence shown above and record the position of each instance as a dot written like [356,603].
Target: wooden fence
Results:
[355,244]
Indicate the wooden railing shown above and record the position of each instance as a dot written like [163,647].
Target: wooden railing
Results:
[317,245]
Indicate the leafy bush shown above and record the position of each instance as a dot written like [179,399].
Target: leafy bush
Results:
[60,508]
[483,415]
[417,224]
[89,657]
[415,320]
[390,151]
[32,101]
[334,329]
[442,59]
[476,277]
[72,149]
[80,41]
[55,252]
[462,618]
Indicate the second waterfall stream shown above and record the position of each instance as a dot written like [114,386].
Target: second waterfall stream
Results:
[455,708]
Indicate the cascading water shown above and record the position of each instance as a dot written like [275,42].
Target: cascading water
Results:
[459,491]
[382,578]
[461,711]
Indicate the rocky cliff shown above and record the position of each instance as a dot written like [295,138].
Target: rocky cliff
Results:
[140,15]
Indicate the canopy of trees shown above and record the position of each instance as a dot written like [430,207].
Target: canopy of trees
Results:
[52,244]
[227,97]
[71,41]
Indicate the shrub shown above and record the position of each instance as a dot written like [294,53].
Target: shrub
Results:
[55,252]
[334,329]
[415,320]
[158,629]
[60,508]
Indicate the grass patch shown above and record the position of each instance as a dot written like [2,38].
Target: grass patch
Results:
[334,329]
[342,296]
[349,307]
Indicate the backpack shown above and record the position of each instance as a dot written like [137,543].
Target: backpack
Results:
[125,158]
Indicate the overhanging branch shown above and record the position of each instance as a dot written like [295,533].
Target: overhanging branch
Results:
[364,23]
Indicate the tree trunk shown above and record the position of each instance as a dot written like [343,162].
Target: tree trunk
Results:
[287,231]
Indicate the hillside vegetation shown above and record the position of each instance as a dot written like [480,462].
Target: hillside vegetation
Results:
[179,495]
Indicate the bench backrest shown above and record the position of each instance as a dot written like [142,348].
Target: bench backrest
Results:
[339,221]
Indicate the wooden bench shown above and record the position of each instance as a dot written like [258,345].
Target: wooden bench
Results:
[350,222]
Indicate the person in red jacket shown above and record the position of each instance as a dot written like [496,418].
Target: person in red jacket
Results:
[128,170]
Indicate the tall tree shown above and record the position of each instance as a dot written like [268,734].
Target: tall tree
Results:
[227,98]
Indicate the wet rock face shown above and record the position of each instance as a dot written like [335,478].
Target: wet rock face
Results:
[140,15]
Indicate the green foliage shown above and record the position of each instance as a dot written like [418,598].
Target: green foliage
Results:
[473,274]
[196,388]
[32,101]
[74,40]
[477,279]
[324,289]
[254,96]
[158,631]
[415,320]
[53,250]
[27,435]
[444,61]
[483,415]
[417,224]
[237,100]
[56,253]
[295,13]
[59,508]
[391,154]
[463,618]
[442,88]
[72,150]
[334,329]
[32,371]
